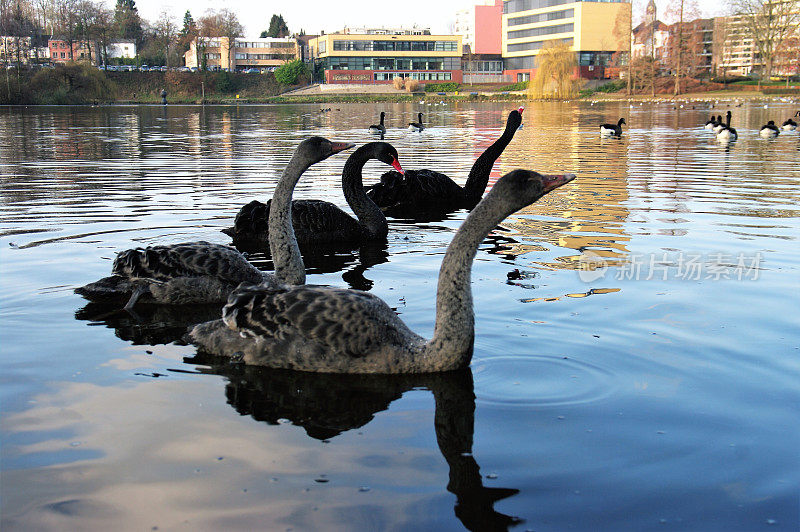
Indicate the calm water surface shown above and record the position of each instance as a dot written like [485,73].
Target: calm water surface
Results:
[643,373]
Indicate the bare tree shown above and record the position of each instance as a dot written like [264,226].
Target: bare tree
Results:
[166,32]
[682,46]
[623,35]
[231,28]
[222,23]
[769,23]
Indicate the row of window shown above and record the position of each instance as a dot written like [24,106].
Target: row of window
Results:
[256,44]
[542,17]
[392,63]
[515,6]
[535,45]
[423,76]
[483,66]
[263,57]
[544,30]
[394,46]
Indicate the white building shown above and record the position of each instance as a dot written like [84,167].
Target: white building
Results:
[126,50]
[465,22]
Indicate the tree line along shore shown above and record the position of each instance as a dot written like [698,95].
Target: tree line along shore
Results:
[80,84]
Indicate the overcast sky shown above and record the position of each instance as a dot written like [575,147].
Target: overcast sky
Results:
[332,15]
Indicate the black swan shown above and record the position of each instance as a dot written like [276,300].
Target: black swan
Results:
[416,126]
[321,222]
[202,272]
[378,129]
[418,191]
[610,130]
[727,133]
[769,131]
[790,125]
[332,330]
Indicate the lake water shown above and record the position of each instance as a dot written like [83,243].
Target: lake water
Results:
[643,373]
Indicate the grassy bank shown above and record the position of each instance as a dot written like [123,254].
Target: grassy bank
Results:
[75,84]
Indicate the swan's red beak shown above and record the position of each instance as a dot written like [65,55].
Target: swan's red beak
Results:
[336,147]
[396,165]
[520,110]
[554,181]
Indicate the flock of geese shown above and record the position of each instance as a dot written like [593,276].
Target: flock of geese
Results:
[726,133]
[278,321]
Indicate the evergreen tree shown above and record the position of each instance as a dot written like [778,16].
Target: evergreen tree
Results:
[127,21]
[277,27]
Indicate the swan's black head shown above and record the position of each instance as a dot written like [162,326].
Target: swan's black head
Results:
[515,118]
[771,123]
[318,149]
[384,152]
[523,187]
[728,114]
[382,115]
[621,121]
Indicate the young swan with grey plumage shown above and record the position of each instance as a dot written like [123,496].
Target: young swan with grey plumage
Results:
[315,328]
[202,272]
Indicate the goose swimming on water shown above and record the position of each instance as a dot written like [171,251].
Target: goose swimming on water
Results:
[711,123]
[416,126]
[720,123]
[610,130]
[202,272]
[727,133]
[789,124]
[416,191]
[378,129]
[322,222]
[769,131]
[314,328]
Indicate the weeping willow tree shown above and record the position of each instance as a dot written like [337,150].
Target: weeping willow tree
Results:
[555,77]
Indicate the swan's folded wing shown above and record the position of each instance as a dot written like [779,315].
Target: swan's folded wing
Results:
[429,185]
[317,217]
[190,259]
[252,218]
[349,322]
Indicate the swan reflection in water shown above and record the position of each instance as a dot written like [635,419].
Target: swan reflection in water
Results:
[326,405]
[320,259]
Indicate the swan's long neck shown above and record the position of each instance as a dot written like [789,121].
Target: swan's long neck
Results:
[482,169]
[454,332]
[370,216]
[289,266]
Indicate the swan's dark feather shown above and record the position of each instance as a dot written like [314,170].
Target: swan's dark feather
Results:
[314,222]
[338,321]
[419,188]
[425,191]
[191,259]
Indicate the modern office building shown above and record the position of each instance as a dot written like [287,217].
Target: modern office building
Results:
[378,55]
[587,26]
[247,53]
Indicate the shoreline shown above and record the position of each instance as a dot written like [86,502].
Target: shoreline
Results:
[367,97]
